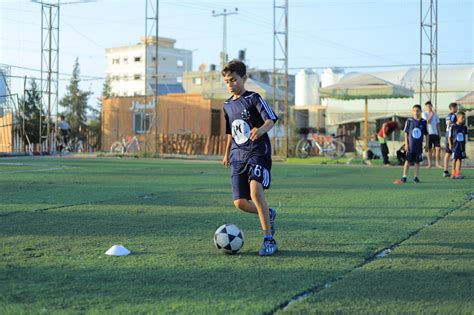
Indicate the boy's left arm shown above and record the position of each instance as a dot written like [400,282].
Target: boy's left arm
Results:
[256,133]
[267,115]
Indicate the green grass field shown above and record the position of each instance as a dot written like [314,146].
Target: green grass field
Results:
[58,216]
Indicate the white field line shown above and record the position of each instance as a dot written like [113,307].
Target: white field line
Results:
[39,170]
[25,164]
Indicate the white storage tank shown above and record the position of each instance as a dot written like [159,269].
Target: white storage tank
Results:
[331,76]
[307,88]
[3,88]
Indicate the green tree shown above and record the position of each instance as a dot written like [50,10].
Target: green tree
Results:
[75,102]
[107,88]
[30,106]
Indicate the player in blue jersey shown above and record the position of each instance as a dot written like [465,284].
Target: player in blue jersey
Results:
[457,144]
[450,120]
[248,150]
[415,129]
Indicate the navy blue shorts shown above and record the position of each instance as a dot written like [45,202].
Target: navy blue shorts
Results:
[413,158]
[241,178]
[459,155]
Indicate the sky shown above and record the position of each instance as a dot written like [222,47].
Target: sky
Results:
[322,33]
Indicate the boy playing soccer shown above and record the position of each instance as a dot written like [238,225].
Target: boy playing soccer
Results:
[457,144]
[414,129]
[248,150]
[450,120]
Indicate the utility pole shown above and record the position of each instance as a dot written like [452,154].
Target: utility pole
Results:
[224,37]
[280,67]
[429,52]
[151,37]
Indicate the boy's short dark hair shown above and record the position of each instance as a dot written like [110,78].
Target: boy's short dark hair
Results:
[461,114]
[236,66]
[417,106]
[453,105]
[428,103]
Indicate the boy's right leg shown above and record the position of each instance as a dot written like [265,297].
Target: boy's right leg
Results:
[406,167]
[245,205]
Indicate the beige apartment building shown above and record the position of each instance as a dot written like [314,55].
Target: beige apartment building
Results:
[126,66]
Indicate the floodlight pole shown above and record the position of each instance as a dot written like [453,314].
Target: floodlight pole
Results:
[429,50]
[281,69]
[49,67]
[50,63]
[151,14]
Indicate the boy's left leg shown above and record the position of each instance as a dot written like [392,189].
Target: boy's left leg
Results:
[437,147]
[256,192]
[269,246]
[458,163]
[417,173]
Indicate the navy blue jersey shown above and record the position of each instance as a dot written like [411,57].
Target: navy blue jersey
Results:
[242,115]
[458,134]
[415,129]
[450,118]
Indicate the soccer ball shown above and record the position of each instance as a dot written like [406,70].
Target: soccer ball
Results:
[229,239]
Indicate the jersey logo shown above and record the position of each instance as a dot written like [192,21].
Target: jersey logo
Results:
[245,114]
[460,137]
[240,131]
[416,133]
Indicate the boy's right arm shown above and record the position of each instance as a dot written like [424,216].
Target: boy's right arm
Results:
[406,142]
[225,160]
[450,140]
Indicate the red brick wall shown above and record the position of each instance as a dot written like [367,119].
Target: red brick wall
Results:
[175,112]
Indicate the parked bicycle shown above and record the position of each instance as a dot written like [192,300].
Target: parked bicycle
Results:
[131,145]
[314,145]
[65,145]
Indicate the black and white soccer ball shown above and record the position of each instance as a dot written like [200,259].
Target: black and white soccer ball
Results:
[229,239]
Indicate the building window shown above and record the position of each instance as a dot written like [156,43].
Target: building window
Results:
[125,60]
[137,76]
[115,61]
[137,59]
[153,58]
[197,81]
[115,78]
[180,63]
[125,77]
[140,124]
